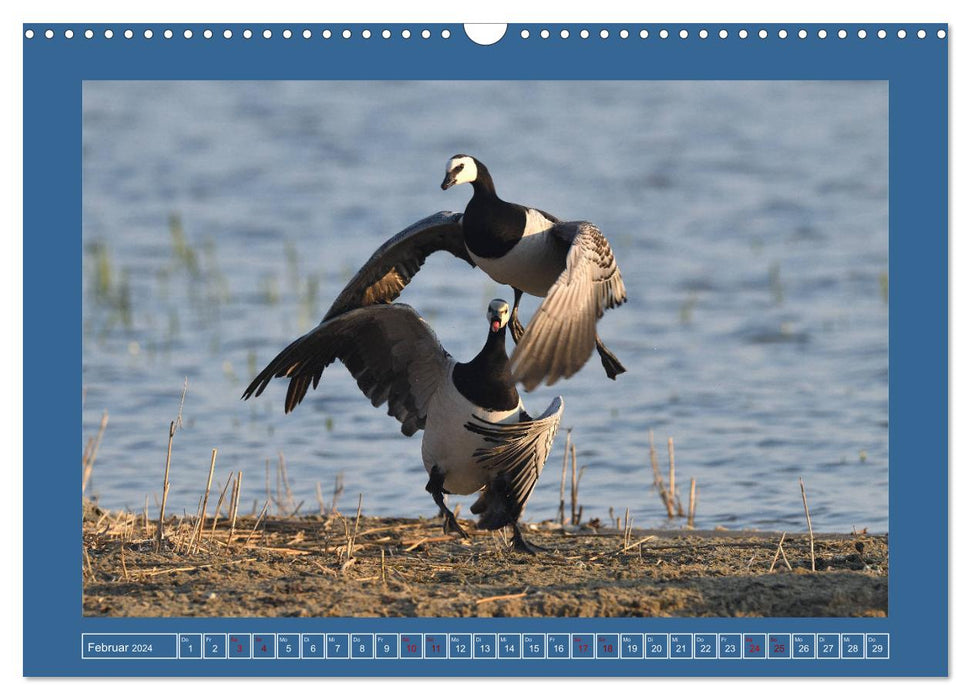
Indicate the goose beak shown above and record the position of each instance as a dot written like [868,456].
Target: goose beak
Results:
[448,181]
[494,325]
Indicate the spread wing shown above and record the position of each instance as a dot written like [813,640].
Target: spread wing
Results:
[516,459]
[392,266]
[563,332]
[389,349]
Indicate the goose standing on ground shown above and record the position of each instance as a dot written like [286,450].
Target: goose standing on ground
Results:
[568,262]
[478,436]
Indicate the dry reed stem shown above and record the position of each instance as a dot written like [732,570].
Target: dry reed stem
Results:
[566,454]
[809,522]
[777,551]
[320,499]
[658,479]
[691,504]
[234,506]
[219,504]
[510,596]
[266,504]
[573,483]
[201,524]
[87,461]
[622,549]
[160,572]
[338,490]
[165,484]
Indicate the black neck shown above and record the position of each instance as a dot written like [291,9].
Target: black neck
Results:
[485,380]
[483,184]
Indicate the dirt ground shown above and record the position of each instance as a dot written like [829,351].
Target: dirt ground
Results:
[320,566]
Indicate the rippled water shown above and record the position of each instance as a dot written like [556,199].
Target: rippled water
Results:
[750,221]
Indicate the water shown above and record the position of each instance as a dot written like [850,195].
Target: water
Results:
[749,219]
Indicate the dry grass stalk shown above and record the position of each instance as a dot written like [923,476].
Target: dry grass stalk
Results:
[623,549]
[675,499]
[165,486]
[338,490]
[286,498]
[201,521]
[628,527]
[658,479]
[779,551]
[219,504]
[259,519]
[691,504]
[91,452]
[566,454]
[320,499]
[809,523]
[510,596]
[234,506]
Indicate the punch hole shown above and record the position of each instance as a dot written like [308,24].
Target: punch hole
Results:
[861,33]
[446,34]
[267,34]
[763,34]
[69,34]
[783,33]
[207,34]
[109,34]
[88,34]
[405,33]
[167,33]
[564,34]
[742,33]
[663,34]
[346,33]
[307,33]
[723,34]
[921,34]
[545,34]
[187,33]
[425,34]
[683,34]
[882,34]
[287,34]
[604,33]
[624,33]
[941,34]
[386,34]
[644,34]
[129,34]
[49,34]
[821,33]
[803,33]
[326,34]
[524,34]
[488,34]
[902,34]
[584,34]
[247,33]
[841,33]
[703,33]
[228,34]
[366,34]
[29,34]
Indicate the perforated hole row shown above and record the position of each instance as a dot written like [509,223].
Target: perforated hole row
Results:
[582,34]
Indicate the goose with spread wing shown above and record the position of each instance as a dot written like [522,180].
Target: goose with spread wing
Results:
[570,263]
[478,436]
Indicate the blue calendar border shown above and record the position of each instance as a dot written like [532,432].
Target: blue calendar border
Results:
[917,72]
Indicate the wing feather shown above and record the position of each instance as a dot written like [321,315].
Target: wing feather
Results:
[516,459]
[391,267]
[562,334]
[391,352]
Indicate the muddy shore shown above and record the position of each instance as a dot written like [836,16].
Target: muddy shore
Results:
[320,566]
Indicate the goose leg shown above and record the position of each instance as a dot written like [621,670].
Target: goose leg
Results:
[520,544]
[609,360]
[515,327]
[436,480]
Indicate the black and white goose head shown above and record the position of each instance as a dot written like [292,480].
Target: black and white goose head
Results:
[461,169]
[499,313]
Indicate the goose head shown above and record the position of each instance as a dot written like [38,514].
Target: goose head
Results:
[498,314]
[460,169]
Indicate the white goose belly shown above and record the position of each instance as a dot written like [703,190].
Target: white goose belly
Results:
[532,265]
[447,443]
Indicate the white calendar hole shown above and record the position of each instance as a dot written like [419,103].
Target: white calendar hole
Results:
[487,34]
